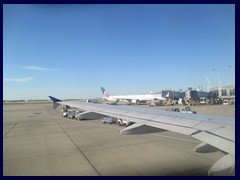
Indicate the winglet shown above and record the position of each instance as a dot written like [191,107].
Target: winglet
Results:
[105,93]
[55,101]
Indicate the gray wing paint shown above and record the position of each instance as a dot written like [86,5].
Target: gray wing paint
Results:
[201,127]
[216,131]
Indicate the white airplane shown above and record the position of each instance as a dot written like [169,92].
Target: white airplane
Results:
[216,133]
[132,98]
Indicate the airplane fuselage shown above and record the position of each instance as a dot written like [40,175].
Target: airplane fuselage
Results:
[144,97]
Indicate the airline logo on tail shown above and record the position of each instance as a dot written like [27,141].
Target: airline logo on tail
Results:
[105,93]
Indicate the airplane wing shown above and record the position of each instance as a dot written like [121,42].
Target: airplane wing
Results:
[216,133]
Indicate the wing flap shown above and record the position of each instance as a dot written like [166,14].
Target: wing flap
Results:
[218,129]
[220,143]
[165,126]
[176,121]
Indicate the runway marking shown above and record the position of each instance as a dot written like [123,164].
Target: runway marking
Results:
[12,128]
[44,111]
[87,159]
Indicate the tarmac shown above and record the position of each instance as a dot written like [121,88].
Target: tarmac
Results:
[37,141]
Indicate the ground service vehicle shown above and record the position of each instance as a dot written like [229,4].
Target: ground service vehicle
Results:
[123,122]
[109,120]
[71,113]
[64,112]
[186,110]
[225,102]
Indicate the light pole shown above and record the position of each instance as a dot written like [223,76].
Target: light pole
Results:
[219,85]
[231,70]
[209,83]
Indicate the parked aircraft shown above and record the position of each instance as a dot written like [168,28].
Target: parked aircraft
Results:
[132,98]
[216,133]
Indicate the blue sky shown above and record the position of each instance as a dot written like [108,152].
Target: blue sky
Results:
[70,51]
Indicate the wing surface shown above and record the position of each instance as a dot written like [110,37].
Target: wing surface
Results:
[216,131]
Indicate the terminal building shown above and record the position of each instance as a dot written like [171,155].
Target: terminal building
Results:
[224,93]
[189,93]
[172,94]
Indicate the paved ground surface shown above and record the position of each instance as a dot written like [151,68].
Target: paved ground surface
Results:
[38,141]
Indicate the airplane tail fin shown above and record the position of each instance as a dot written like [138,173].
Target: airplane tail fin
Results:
[55,101]
[105,93]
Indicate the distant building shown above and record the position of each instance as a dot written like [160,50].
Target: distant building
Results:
[171,94]
[224,93]
[195,94]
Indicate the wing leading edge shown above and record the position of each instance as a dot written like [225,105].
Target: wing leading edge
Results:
[218,132]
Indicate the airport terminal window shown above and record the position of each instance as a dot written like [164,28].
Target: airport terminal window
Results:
[224,92]
[232,92]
